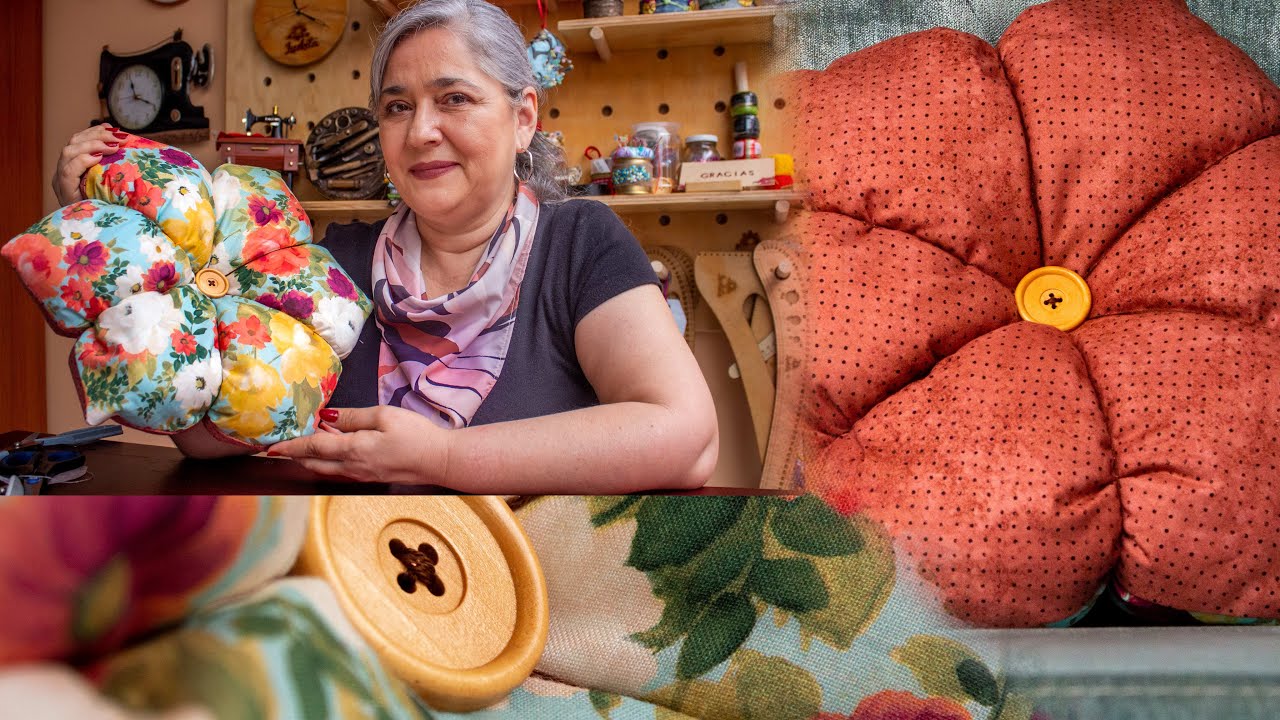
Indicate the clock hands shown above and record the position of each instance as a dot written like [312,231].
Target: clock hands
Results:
[299,11]
[136,96]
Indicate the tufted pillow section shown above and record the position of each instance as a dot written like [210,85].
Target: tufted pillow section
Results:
[1023,466]
[194,298]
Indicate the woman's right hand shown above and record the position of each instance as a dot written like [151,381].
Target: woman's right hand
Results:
[82,152]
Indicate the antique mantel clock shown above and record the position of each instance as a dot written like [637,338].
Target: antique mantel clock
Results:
[148,93]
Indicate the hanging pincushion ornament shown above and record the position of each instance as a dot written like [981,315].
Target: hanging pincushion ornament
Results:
[194,298]
[547,55]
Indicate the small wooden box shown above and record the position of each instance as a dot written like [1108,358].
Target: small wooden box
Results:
[279,154]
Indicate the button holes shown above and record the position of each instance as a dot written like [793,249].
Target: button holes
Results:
[355,74]
[419,565]
[607,110]
[663,109]
[267,81]
[718,51]
[355,25]
[554,113]
[662,54]
[721,106]
[311,77]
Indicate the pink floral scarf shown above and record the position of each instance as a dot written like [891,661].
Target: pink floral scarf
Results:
[441,356]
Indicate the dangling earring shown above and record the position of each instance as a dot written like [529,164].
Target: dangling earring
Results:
[516,168]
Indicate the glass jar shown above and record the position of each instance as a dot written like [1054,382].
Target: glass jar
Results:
[632,176]
[663,138]
[701,148]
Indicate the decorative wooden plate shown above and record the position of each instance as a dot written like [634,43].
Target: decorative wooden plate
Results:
[298,34]
[343,155]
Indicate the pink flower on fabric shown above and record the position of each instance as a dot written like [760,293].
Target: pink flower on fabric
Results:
[87,259]
[161,278]
[96,571]
[79,211]
[341,284]
[264,211]
[300,305]
[177,157]
[899,705]
[77,293]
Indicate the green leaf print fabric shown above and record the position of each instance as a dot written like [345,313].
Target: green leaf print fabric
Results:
[717,608]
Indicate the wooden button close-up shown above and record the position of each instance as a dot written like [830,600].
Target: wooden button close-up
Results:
[447,590]
[212,283]
[1054,296]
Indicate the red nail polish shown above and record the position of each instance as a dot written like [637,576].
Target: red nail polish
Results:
[121,135]
[329,415]
[110,144]
[273,453]
[97,154]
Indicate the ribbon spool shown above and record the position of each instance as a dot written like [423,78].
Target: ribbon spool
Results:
[447,590]
[746,127]
[744,103]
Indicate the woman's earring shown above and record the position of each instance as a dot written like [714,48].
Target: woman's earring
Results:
[516,168]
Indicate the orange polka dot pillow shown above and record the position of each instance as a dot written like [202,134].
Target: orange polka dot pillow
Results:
[1039,332]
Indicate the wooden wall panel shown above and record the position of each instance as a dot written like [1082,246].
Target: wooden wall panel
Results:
[22,373]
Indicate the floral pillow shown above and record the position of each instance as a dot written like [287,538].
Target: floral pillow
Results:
[194,298]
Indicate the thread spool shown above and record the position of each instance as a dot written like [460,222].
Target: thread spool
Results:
[744,103]
[746,117]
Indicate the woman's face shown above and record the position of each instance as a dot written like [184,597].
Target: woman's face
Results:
[449,132]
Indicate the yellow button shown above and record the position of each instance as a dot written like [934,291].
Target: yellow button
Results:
[1054,296]
[447,590]
[212,283]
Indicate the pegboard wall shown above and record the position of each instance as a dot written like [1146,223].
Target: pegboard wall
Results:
[691,86]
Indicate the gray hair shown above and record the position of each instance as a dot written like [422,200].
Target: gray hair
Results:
[499,49]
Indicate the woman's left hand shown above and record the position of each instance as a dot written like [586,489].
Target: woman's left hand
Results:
[376,444]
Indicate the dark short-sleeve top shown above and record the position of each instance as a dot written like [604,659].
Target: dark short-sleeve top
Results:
[582,256]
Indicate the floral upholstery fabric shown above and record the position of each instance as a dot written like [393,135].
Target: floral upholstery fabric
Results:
[661,608]
[127,272]
[81,576]
[1020,466]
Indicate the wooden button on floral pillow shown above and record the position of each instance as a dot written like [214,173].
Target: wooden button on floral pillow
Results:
[193,298]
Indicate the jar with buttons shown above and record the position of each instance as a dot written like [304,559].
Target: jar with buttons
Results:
[663,138]
[632,176]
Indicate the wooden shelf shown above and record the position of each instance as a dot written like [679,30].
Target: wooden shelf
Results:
[667,30]
[706,202]
[776,200]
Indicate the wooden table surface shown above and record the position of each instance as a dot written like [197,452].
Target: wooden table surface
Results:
[121,468]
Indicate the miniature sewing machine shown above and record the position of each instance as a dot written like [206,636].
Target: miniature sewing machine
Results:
[273,151]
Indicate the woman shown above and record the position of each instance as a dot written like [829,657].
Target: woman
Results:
[587,388]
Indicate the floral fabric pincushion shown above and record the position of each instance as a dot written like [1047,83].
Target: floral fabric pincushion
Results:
[194,298]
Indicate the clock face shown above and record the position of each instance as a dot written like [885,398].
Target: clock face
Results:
[298,32]
[135,96]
